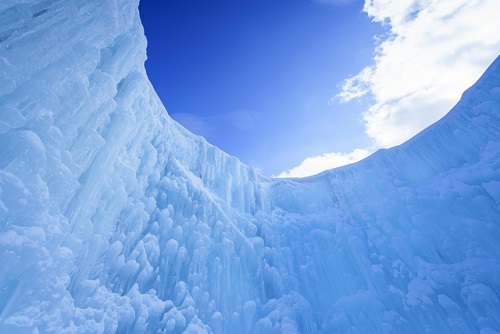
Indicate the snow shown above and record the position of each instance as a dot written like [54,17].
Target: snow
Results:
[114,218]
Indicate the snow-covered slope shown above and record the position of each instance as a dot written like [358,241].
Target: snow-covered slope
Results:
[113,218]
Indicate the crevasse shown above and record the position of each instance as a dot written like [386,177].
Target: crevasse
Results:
[114,218]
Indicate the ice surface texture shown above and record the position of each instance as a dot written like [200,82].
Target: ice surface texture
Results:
[114,218]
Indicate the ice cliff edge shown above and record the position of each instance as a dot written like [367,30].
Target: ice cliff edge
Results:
[113,218]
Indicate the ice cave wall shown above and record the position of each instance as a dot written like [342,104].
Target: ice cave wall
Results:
[113,218]
[92,167]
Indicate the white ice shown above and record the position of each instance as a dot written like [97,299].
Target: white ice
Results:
[114,218]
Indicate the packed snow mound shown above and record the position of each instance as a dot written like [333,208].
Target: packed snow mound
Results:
[114,218]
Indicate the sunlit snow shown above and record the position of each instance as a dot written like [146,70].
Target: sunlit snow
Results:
[114,218]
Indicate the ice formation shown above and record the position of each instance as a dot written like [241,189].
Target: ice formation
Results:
[114,218]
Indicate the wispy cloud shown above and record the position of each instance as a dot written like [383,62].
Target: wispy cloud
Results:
[315,165]
[196,124]
[242,120]
[434,51]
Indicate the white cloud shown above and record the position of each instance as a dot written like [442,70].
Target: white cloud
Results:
[315,165]
[435,50]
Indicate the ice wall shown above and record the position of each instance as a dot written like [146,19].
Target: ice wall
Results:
[114,218]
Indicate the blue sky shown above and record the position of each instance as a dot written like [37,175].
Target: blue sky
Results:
[263,80]
[255,78]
